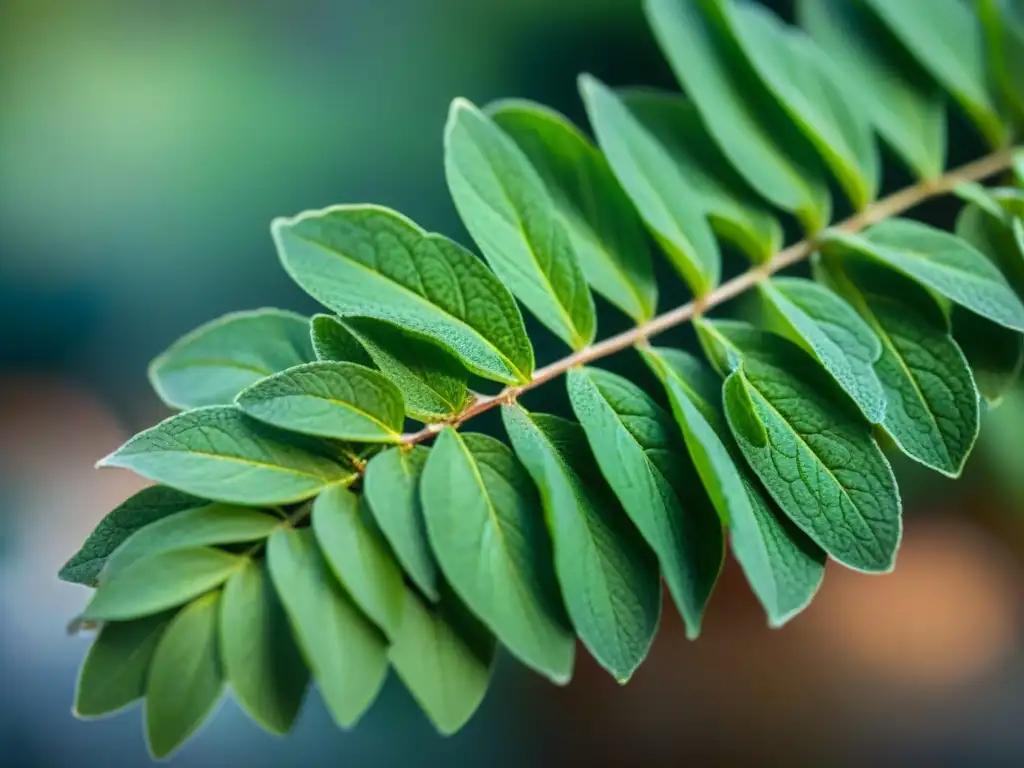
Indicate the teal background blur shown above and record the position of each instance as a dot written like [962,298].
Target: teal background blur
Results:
[145,147]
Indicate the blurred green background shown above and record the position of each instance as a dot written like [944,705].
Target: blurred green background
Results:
[145,147]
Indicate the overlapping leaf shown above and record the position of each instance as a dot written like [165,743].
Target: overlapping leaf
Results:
[1003,25]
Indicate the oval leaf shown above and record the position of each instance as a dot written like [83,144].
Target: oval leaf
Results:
[637,450]
[609,578]
[507,210]
[602,225]
[343,401]
[346,654]
[333,342]
[392,490]
[370,261]
[218,360]
[487,531]
[749,127]
[783,566]
[668,204]
[219,453]
[185,678]
[261,661]
[1003,25]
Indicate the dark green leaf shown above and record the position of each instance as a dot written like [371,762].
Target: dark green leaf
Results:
[609,578]
[218,360]
[333,342]
[366,260]
[114,672]
[392,489]
[733,209]
[667,202]
[487,530]
[185,678]
[602,225]
[145,507]
[1003,26]
[219,453]
[346,653]
[164,580]
[637,450]
[507,210]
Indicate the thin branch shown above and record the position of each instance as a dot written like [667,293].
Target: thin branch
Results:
[878,211]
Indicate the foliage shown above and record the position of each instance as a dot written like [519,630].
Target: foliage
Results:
[297,532]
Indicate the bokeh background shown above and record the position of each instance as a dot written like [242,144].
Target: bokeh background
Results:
[145,147]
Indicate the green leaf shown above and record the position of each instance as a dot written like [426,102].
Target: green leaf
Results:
[946,37]
[819,463]
[749,127]
[144,508]
[344,401]
[603,228]
[507,210]
[164,580]
[637,450]
[933,413]
[333,342]
[261,660]
[219,453]
[201,527]
[669,205]
[392,490]
[114,672]
[989,227]
[804,80]
[185,679]
[359,558]
[907,110]
[733,209]
[1004,44]
[216,361]
[831,331]
[370,261]
[486,529]
[345,652]
[609,578]
[446,674]
[939,261]
[1018,167]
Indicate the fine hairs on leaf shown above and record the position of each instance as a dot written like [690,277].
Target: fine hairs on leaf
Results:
[323,507]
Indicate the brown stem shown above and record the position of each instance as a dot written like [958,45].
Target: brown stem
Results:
[878,211]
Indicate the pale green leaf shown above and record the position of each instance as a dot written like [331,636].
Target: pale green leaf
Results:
[201,527]
[990,228]
[218,360]
[359,558]
[506,208]
[392,490]
[733,209]
[782,565]
[114,672]
[219,453]
[818,459]
[639,454]
[445,672]
[370,261]
[668,204]
[145,507]
[333,342]
[185,678]
[946,37]
[486,528]
[907,109]
[609,578]
[933,411]
[343,401]
[344,651]
[261,660]
[1018,167]
[750,128]
[940,261]
[602,225]
[164,580]
[832,332]
[1003,26]
[803,79]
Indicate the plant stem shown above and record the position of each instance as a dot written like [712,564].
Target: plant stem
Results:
[878,211]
